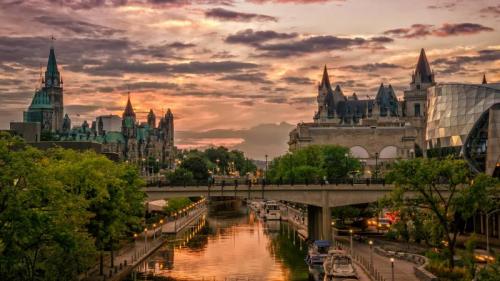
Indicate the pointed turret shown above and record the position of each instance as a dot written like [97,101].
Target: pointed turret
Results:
[151,119]
[66,127]
[325,81]
[52,75]
[484,79]
[423,69]
[129,110]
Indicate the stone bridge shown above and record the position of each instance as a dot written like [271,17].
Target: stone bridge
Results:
[319,198]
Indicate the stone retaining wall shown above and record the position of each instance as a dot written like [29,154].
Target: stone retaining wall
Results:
[420,261]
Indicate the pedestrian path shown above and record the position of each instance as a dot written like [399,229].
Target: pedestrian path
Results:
[403,270]
[144,245]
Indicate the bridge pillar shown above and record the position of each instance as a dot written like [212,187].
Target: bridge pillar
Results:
[314,222]
[319,220]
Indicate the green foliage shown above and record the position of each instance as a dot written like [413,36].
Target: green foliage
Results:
[58,207]
[490,272]
[314,162]
[176,204]
[179,176]
[444,196]
[197,166]
[218,159]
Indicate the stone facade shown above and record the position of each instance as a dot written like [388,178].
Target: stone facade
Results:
[125,137]
[433,120]
[377,130]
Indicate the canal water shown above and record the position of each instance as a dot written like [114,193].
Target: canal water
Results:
[234,245]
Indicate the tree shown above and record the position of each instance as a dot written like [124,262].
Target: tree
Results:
[321,160]
[42,227]
[57,207]
[197,166]
[176,204]
[179,176]
[445,190]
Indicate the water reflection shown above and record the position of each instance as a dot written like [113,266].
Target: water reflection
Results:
[235,246]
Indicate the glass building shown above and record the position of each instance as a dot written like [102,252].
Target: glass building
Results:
[464,120]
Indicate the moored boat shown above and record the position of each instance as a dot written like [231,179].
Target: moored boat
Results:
[318,252]
[338,267]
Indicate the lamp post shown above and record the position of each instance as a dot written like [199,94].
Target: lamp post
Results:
[333,232]
[350,234]
[154,231]
[217,161]
[265,174]
[488,230]
[392,268]
[135,247]
[346,166]
[371,253]
[158,167]
[145,239]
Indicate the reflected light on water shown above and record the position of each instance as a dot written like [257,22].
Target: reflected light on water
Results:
[224,248]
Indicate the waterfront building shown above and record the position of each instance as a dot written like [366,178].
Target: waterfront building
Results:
[118,137]
[431,120]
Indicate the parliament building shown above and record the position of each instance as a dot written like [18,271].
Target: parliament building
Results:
[124,138]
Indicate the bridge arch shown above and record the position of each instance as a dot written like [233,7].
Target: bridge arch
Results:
[359,152]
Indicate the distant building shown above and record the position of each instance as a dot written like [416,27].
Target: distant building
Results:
[123,137]
[431,120]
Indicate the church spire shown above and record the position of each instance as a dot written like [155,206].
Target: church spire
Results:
[423,69]
[325,81]
[129,110]
[52,73]
[484,79]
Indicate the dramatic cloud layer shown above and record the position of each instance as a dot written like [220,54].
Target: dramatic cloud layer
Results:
[423,30]
[227,15]
[227,67]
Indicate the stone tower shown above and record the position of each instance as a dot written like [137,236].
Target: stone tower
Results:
[53,86]
[129,121]
[421,80]
[151,119]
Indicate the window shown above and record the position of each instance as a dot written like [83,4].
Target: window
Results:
[417,109]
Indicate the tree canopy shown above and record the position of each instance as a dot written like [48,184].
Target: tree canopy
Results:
[313,163]
[444,194]
[58,208]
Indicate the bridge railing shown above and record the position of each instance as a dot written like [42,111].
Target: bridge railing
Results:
[262,182]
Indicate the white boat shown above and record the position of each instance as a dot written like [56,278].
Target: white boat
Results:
[318,252]
[272,211]
[338,267]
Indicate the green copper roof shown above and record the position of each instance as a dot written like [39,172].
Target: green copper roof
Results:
[114,137]
[40,100]
[129,122]
[52,64]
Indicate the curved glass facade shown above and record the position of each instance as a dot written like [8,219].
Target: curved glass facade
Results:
[458,121]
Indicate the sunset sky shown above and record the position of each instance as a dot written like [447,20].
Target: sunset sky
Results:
[237,73]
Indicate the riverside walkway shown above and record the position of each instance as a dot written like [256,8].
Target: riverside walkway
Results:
[144,245]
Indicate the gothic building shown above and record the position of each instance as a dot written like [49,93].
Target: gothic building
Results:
[432,120]
[47,105]
[376,130]
[125,138]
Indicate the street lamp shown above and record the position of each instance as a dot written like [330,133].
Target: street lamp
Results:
[371,253]
[217,161]
[145,239]
[265,175]
[350,233]
[392,268]
[154,231]
[346,165]
[158,167]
